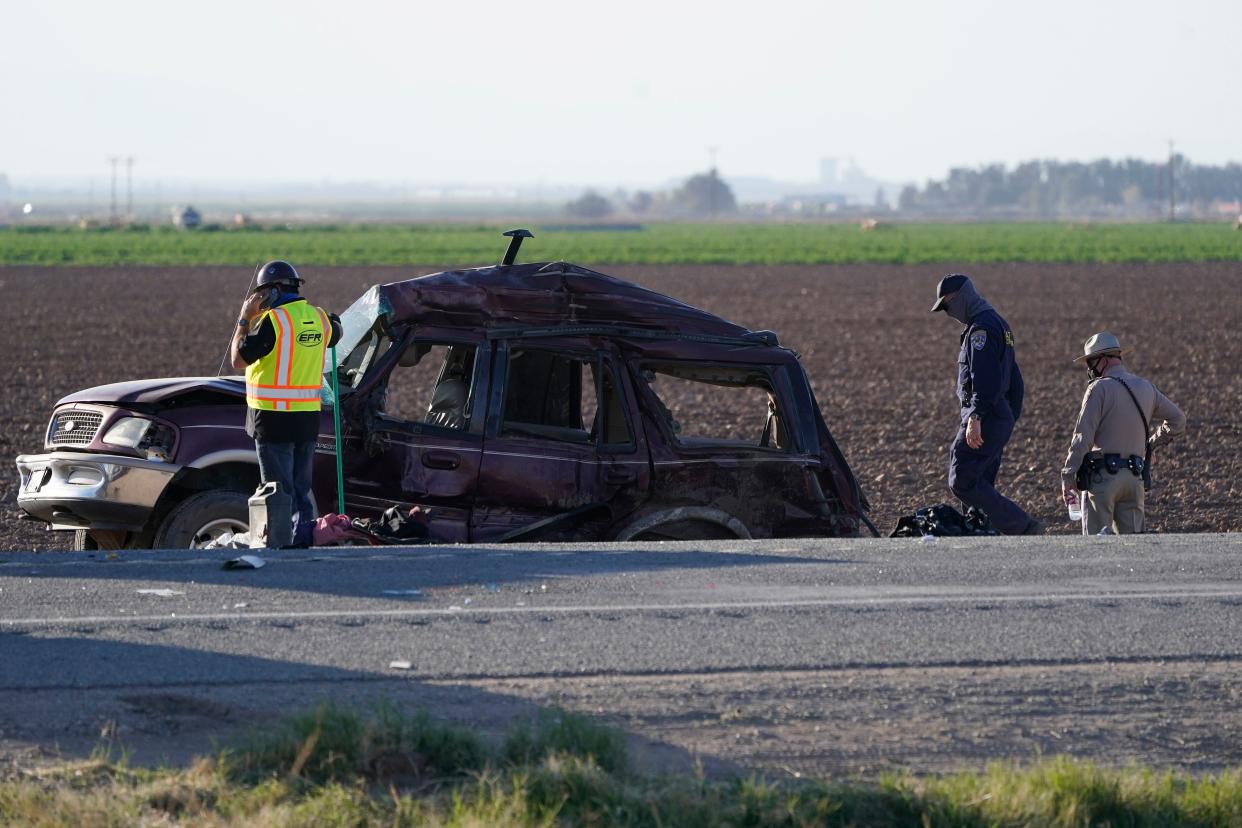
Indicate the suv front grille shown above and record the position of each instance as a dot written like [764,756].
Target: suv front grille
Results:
[74,428]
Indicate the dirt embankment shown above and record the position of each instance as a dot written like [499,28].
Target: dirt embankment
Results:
[882,365]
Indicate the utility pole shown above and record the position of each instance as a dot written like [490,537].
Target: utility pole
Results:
[129,188]
[1172,185]
[113,159]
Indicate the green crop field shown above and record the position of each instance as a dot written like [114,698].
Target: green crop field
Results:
[721,243]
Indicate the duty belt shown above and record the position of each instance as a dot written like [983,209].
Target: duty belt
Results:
[1095,463]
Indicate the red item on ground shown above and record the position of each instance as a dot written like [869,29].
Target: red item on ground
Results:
[334,530]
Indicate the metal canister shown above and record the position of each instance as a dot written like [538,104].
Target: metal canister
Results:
[271,517]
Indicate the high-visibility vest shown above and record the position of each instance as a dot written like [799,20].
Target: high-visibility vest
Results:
[288,377]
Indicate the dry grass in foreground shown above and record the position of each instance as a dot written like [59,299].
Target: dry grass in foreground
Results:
[388,767]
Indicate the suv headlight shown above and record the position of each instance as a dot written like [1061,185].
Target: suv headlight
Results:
[128,431]
[156,439]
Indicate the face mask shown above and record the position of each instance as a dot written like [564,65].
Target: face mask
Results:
[956,308]
[1093,368]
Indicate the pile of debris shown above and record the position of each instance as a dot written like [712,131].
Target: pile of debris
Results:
[393,527]
[942,520]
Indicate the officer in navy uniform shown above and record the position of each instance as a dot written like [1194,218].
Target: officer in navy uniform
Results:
[989,386]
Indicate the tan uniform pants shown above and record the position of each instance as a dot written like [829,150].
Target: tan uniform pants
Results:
[1116,502]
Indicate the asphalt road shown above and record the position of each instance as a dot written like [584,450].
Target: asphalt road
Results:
[161,651]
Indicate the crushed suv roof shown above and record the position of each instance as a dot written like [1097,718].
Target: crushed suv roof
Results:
[545,294]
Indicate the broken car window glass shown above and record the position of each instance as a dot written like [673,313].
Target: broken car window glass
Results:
[357,321]
[350,372]
[431,384]
[360,342]
[707,404]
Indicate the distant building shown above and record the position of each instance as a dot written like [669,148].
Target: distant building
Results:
[811,204]
[842,185]
[186,217]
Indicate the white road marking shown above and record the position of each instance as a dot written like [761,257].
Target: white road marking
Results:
[578,609]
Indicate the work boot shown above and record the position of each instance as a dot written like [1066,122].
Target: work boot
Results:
[1034,526]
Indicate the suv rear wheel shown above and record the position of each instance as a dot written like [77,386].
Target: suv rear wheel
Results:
[686,530]
[202,518]
[685,523]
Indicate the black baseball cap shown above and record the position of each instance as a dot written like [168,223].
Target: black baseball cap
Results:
[948,285]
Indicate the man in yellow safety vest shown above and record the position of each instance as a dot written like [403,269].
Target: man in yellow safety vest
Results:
[280,342]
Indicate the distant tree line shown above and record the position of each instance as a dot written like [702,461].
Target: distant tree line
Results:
[1051,188]
[702,196]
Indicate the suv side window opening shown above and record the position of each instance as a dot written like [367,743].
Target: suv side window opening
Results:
[717,405]
[432,384]
[564,396]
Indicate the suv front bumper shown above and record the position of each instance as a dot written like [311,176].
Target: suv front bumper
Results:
[73,490]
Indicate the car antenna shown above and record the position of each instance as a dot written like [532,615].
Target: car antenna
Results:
[515,241]
[253,277]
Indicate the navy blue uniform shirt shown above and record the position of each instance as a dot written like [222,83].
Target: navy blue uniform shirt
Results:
[989,383]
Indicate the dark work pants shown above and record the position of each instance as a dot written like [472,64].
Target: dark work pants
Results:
[972,476]
[289,464]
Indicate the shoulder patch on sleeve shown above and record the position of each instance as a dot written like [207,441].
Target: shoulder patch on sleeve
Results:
[978,339]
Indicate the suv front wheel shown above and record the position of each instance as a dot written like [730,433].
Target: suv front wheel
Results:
[202,518]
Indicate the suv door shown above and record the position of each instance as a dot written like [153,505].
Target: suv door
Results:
[421,434]
[563,453]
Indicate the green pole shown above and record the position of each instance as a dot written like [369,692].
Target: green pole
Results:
[336,424]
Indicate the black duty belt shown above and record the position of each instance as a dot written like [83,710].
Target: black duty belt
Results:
[1095,463]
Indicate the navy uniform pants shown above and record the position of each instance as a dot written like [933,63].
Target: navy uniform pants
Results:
[972,475]
[290,465]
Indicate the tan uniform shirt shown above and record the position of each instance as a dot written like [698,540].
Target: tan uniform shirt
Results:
[1109,421]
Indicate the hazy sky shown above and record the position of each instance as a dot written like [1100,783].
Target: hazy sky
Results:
[630,92]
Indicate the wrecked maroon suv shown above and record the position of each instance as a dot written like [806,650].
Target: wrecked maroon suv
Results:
[531,402]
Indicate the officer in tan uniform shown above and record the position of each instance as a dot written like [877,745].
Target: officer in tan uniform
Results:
[1121,413]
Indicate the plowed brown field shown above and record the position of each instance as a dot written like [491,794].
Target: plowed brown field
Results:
[882,365]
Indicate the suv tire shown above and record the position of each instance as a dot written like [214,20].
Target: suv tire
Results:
[685,523]
[686,530]
[201,517]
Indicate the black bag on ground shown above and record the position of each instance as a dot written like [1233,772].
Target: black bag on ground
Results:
[396,527]
[944,521]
